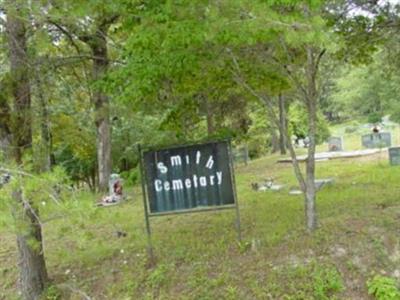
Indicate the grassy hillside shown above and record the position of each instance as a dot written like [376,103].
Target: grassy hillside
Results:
[198,256]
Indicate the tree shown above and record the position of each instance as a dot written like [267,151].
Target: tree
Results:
[33,272]
[92,31]
[297,61]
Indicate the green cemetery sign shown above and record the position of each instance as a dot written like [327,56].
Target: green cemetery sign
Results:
[189,177]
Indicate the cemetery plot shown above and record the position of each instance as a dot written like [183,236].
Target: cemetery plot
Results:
[376,140]
[241,155]
[267,184]
[333,155]
[319,184]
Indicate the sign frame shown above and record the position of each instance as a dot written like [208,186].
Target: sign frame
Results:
[145,192]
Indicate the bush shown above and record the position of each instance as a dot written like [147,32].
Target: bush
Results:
[383,288]
[257,146]
[298,124]
[395,116]
[350,129]
[327,282]
[52,293]
[132,176]
[374,118]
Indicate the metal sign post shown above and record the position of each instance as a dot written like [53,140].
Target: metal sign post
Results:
[231,166]
[150,251]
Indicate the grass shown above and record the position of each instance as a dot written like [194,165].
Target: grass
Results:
[198,256]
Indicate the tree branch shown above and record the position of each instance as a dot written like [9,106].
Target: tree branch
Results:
[68,34]
[270,110]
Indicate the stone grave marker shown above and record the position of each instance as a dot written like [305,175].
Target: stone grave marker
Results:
[241,154]
[377,140]
[394,156]
[111,182]
[335,143]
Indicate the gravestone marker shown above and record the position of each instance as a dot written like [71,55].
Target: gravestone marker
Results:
[394,156]
[377,140]
[111,182]
[241,155]
[335,144]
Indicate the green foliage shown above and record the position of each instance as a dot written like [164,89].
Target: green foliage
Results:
[131,177]
[374,118]
[383,288]
[158,276]
[318,281]
[366,91]
[351,129]
[395,116]
[327,282]
[298,123]
[52,293]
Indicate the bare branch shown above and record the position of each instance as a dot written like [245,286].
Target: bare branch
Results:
[28,206]
[239,79]
[67,33]
[319,59]
[270,110]
[60,61]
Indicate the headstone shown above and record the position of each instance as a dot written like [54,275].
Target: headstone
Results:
[241,155]
[377,140]
[111,182]
[394,156]
[335,143]
[4,179]
[301,143]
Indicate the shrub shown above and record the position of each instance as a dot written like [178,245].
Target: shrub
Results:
[374,118]
[383,288]
[350,129]
[327,282]
[131,177]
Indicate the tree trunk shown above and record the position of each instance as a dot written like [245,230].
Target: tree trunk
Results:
[19,65]
[210,119]
[98,46]
[274,140]
[282,124]
[33,274]
[45,135]
[32,265]
[310,195]
[5,130]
